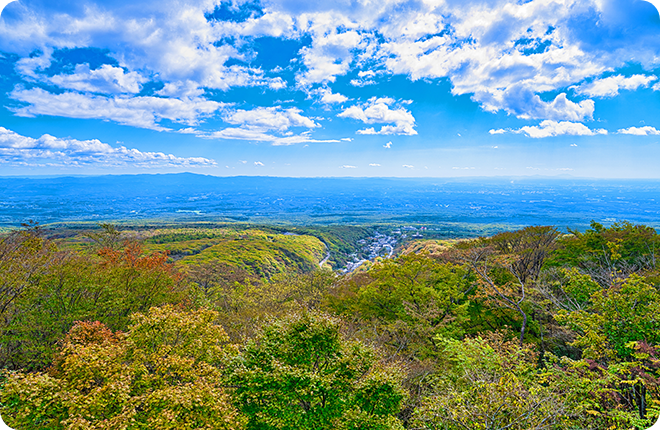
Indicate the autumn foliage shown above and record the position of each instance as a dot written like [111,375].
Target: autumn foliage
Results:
[529,329]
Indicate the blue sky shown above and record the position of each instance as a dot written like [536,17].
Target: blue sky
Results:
[344,88]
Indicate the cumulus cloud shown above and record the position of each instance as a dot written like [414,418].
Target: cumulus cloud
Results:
[377,110]
[388,145]
[143,111]
[506,55]
[258,163]
[52,151]
[640,131]
[523,103]
[328,97]
[610,86]
[330,55]
[171,39]
[365,77]
[549,128]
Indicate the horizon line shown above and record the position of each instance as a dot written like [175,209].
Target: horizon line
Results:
[502,177]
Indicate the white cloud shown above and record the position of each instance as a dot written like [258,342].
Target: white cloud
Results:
[330,55]
[388,145]
[365,77]
[523,103]
[33,66]
[408,166]
[265,125]
[144,112]
[610,86]
[377,110]
[185,89]
[549,128]
[374,165]
[363,82]
[640,131]
[328,97]
[271,118]
[259,135]
[258,163]
[346,166]
[507,55]
[169,38]
[106,79]
[53,151]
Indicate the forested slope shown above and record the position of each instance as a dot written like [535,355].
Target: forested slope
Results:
[529,329]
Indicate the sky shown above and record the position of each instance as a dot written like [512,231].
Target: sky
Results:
[383,88]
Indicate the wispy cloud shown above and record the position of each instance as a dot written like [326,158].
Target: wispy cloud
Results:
[610,86]
[262,124]
[269,118]
[239,133]
[550,128]
[107,79]
[143,112]
[16,149]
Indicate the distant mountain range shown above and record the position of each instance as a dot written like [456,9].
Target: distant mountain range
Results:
[507,202]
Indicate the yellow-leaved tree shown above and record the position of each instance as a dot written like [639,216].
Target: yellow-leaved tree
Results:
[163,373]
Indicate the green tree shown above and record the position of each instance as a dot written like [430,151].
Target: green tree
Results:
[494,384]
[607,253]
[26,259]
[108,237]
[410,300]
[618,332]
[626,312]
[76,287]
[508,264]
[300,373]
[24,256]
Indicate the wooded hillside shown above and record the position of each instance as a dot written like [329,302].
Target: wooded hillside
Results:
[188,329]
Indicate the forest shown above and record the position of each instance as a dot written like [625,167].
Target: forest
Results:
[230,328]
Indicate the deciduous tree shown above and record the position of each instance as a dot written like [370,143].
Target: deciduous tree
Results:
[165,372]
[300,373]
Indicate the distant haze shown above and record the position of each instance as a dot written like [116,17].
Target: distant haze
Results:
[565,203]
